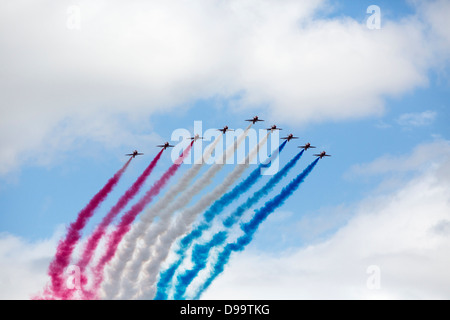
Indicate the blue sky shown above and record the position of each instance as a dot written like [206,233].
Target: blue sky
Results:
[75,100]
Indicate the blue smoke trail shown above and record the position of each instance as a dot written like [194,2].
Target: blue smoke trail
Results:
[183,280]
[216,208]
[200,254]
[250,227]
[258,195]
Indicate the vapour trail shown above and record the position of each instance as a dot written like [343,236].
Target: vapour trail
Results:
[150,235]
[124,225]
[99,232]
[114,271]
[216,208]
[184,279]
[250,227]
[182,223]
[67,245]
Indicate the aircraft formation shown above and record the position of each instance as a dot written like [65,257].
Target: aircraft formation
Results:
[225,129]
[142,276]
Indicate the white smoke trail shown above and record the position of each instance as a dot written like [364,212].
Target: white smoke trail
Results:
[149,237]
[181,225]
[111,287]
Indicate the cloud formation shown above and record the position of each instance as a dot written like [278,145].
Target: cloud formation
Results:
[418,119]
[60,85]
[401,238]
[418,159]
[23,266]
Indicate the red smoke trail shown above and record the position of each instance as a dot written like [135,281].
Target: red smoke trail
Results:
[66,246]
[125,224]
[99,232]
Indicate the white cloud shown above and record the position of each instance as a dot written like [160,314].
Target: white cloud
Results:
[24,263]
[418,159]
[129,61]
[23,266]
[405,234]
[417,119]
[435,13]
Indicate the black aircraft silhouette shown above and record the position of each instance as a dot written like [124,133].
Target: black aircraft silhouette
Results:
[165,145]
[322,154]
[225,129]
[134,154]
[307,146]
[255,119]
[274,127]
[289,137]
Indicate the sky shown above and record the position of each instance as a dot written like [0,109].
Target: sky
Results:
[85,82]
